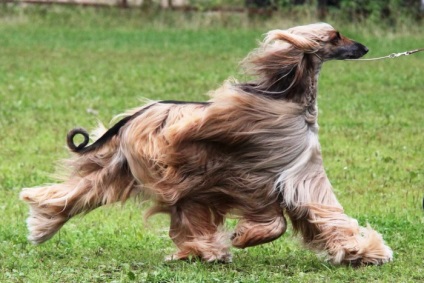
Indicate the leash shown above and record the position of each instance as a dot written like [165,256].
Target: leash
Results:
[390,56]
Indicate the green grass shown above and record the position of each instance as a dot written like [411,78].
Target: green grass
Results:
[57,65]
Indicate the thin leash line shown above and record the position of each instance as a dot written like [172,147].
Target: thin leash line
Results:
[390,56]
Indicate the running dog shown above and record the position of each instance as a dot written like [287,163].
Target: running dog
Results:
[251,151]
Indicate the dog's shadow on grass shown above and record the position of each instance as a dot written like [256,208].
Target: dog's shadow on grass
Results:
[260,261]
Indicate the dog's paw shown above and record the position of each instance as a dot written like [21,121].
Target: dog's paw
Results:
[42,228]
[224,258]
[372,252]
[371,258]
[212,258]
[175,257]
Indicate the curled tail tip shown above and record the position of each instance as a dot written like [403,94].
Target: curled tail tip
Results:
[70,139]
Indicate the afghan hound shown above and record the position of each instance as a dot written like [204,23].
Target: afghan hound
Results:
[250,152]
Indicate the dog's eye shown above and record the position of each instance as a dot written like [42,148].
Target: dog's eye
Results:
[336,37]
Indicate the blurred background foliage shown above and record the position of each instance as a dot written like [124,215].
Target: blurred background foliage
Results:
[386,12]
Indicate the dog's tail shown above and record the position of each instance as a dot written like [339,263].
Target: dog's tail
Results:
[82,148]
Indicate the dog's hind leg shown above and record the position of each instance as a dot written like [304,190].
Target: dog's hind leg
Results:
[52,206]
[197,231]
[259,228]
[46,217]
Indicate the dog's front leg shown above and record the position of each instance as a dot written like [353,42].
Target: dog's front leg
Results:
[328,229]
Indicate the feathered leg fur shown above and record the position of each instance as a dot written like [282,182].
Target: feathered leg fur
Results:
[317,215]
[259,228]
[196,229]
[95,180]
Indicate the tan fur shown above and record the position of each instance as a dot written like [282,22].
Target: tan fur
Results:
[252,151]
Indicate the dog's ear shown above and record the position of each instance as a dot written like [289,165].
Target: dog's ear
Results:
[298,41]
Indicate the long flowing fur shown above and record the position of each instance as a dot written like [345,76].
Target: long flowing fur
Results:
[251,151]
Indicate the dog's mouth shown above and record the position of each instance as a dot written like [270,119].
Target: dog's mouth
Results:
[354,56]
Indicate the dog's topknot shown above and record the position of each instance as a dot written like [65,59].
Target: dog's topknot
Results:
[306,38]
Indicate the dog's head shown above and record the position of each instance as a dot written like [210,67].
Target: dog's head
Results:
[287,60]
[320,39]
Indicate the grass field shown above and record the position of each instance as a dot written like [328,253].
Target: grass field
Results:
[61,68]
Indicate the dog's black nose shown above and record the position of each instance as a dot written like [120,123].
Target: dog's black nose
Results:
[366,50]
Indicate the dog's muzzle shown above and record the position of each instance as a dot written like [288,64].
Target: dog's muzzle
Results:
[353,51]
